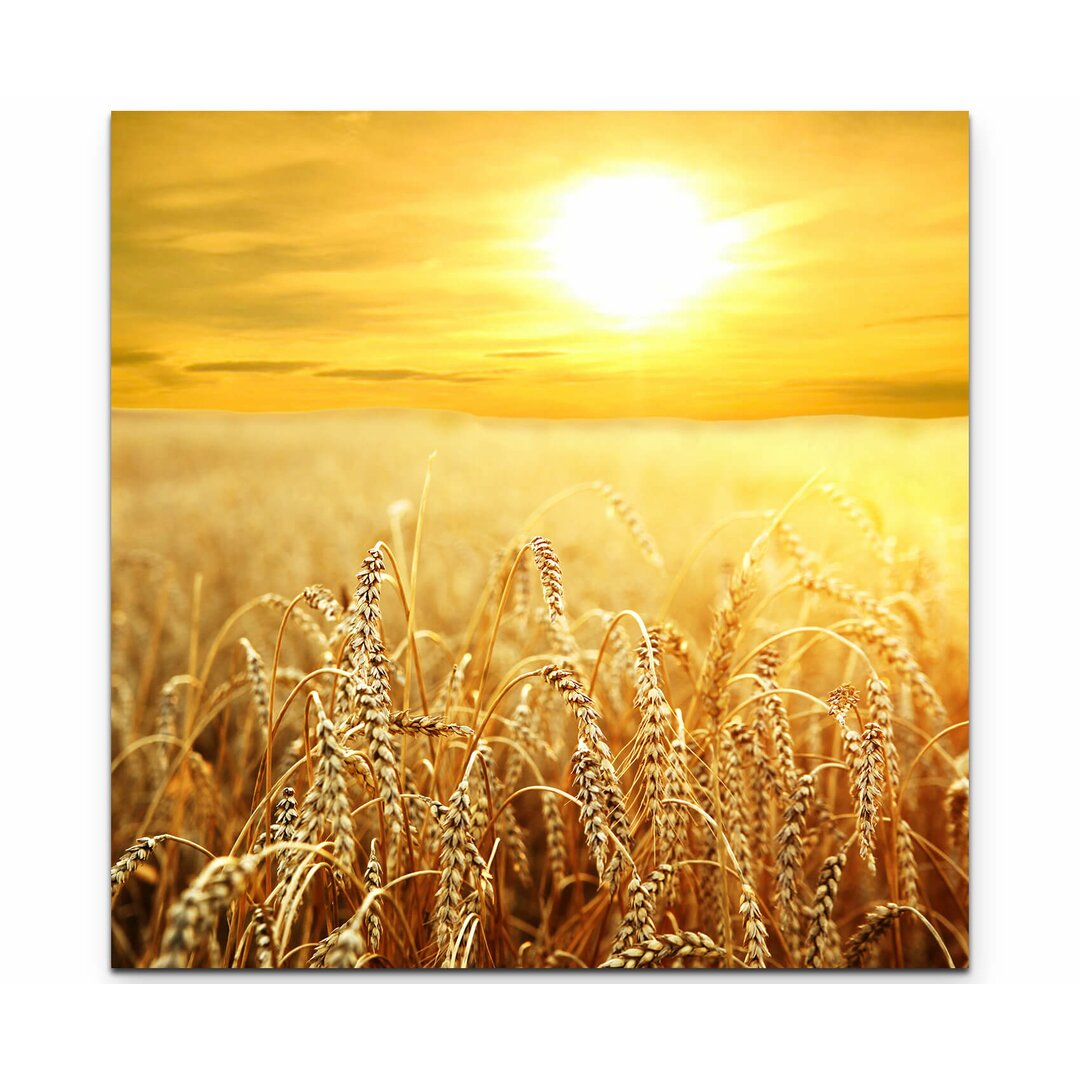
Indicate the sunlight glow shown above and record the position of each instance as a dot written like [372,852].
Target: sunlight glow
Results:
[637,245]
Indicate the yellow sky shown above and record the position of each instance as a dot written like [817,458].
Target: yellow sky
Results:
[278,261]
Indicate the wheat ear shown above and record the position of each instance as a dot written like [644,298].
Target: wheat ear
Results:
[125,866]
[192,918]
[821,924]
[661,947]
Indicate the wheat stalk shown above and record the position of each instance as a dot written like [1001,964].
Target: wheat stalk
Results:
[866,787]
[858,946]
[822,927]
[193,917]
[656,722]
[373,882]
[859,599]
[260,688]
[456,856]
[326,806]
[547,563]
[726,627]
[957,799]
[433,726]
[754,935]
[603,806]
[857,514]
[900,657]
[671,829]
[661,947]
[126,865]
[262,936]
[637,924]
[283,827]
[366,651]
[346,949]
[789,844]
[879,705]
[632,520]
[555,835]
[375,720]
[907,867]
[319,598]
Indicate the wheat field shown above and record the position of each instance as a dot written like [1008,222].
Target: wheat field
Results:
[396,689]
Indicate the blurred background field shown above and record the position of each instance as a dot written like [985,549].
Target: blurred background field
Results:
[275,501]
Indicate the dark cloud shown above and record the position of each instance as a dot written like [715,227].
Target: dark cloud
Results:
[135,357]
[165,377]
[863,390]
[489,375]
[525,354]
[910,319]
[411,374]
[268,367]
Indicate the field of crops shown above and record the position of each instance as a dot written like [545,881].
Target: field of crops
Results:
[414,690]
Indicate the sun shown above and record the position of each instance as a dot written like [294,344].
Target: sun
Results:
[637,245]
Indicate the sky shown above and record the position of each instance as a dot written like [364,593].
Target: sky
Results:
[701,265]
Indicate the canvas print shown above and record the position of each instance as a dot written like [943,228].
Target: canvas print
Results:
[539,540]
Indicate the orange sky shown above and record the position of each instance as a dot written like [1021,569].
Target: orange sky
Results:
[279,261]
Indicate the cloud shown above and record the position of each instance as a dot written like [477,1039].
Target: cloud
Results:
[411,374]
[135,357]
[268,367]
[532,377]
[526,354]
[908,320]
[915,390]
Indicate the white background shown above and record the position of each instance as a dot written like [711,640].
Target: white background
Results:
[66,66]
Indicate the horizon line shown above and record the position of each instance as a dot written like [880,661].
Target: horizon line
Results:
[530,417]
